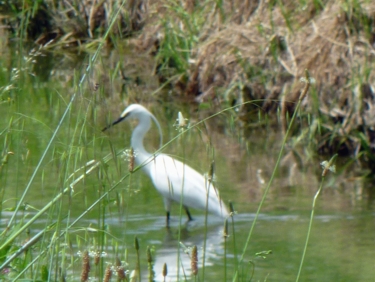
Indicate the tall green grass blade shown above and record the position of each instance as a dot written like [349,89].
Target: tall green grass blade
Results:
[325,170]
[302,96]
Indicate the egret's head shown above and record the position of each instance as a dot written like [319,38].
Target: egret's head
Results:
[135,111]
[132,111]
[138,112]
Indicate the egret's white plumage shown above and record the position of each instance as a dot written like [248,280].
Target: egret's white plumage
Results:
[174,180]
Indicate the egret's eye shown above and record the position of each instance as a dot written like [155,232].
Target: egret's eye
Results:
[126,115]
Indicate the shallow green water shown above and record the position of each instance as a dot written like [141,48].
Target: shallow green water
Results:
[342,239]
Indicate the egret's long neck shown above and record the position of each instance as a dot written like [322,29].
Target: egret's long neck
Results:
[137,139]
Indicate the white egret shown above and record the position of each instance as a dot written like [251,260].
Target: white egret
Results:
[174,180]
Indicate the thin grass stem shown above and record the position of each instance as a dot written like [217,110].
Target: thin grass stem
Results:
[232,211]
[302,95]
[309,229]
[138,266]
[225,234]
[326,168]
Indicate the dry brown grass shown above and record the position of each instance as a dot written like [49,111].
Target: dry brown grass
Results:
[265,49]
[323,44]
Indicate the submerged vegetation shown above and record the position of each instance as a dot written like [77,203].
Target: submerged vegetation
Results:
[246,59]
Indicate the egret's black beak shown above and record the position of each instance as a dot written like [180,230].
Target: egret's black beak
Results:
[113,123]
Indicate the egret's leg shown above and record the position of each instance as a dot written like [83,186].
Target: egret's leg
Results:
[167,205]
[188,213]
[167,219]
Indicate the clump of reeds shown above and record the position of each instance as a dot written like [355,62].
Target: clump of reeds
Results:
[118,268]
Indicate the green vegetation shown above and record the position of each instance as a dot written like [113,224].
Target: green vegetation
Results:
[248,58]
[233,52]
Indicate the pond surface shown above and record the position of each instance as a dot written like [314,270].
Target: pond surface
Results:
[341,246]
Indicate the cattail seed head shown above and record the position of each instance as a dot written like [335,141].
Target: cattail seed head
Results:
[121,275]
[136,243]
[149,255]
[120,270]
[96,257]
[85,267]
[107,274]
[194,260]
[165,270]
[131,160]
